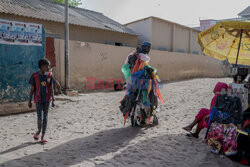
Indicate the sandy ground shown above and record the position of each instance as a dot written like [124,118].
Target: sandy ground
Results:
[87,131]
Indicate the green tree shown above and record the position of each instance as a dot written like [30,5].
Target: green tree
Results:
[71,2]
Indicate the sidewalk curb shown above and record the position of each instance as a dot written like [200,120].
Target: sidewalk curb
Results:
[15,108]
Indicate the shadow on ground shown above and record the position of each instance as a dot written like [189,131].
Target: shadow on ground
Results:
[19,147]
[167,150]
[170,151]
[78,150]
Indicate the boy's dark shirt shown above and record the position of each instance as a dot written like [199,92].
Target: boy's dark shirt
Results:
[43,86]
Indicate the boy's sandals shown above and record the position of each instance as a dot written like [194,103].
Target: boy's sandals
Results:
[36,137]
[187,129]
[43,141]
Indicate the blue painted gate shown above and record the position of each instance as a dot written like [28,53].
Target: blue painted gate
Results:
[17,63]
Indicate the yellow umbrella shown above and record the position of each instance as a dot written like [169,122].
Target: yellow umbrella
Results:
[227,40]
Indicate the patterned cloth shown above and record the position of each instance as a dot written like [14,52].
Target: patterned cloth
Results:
[222,138]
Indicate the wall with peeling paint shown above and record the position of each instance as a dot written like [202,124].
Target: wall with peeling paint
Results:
[17,63]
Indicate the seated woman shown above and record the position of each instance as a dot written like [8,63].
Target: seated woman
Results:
[203,116]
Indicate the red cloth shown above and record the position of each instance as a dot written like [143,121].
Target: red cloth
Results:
[201,117]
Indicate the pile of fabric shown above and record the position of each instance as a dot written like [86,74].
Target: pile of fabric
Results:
[222,128]
[229,129]
[142,88]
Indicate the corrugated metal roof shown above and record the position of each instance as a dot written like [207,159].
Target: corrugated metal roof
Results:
[245,12]
[53,11]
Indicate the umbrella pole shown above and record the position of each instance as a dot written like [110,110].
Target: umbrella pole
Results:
[241,31]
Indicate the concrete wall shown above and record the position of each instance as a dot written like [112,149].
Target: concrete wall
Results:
[195,47]
[143,29]
[90,60]
[105,62]
[181,39]
[178,66]
[161,35]
[78,33]
[166,35]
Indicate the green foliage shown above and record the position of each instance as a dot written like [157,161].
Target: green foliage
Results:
[71,2]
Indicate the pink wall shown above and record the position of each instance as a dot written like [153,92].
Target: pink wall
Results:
[205,24]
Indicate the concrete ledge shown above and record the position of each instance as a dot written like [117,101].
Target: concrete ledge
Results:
[63,98]
[71,93]
[22,107]
[15,108]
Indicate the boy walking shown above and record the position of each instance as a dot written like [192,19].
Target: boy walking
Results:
[42,88]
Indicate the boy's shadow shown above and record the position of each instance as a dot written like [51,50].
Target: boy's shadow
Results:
[19,147]
[78,150]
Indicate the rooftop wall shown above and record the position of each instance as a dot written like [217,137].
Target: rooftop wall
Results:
[167,36]
[79,33]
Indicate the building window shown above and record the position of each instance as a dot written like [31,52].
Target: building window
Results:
[181,50]
[114,43]
[163,48]
[196,53]
[118,44]
[109,43]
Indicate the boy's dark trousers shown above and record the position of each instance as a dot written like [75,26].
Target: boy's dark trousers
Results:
[42,116]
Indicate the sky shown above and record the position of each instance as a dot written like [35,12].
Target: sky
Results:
[185,12]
